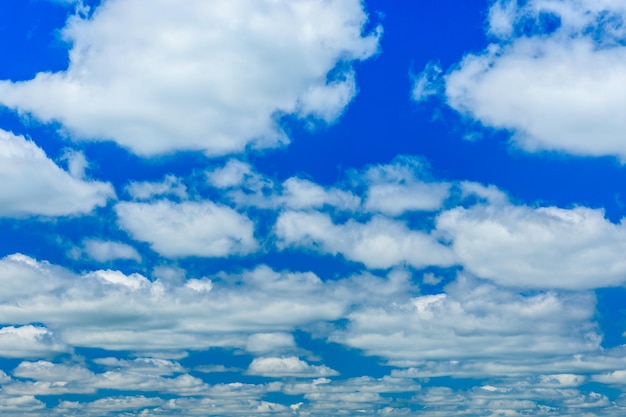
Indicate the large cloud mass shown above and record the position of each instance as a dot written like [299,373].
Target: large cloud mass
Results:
[545,247]
[208,76]
[555,76]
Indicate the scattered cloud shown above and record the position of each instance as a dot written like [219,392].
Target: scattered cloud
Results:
[188,228]
[553,76]
[379,243]
[145,190]
[32,184]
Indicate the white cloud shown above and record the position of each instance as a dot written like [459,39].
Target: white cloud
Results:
[21,404]
[106,405]
[234,173]
[288,366]
[147,190]
[545,247]
[29,341]
[32,184]
[475,321]
[379,243]
[208,76]
[402,186]
[111,310]
[188,228]
[617,377]
[55,379]
[148,366]
[303,194]
[104,251]
[556,88]
[427,83]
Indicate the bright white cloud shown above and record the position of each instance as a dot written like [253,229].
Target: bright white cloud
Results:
[288,366]
[208,76]
[29,341]
[104,251]
[32,184]
[111,310]
[556,78]
[188,228]
[403,185]
[472,320]
[379,243]
[544,247]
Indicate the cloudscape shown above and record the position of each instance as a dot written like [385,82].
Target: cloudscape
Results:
[312,208]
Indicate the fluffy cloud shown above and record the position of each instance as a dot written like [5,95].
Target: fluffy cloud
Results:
[54,379]
[20,404]
[379,243]
[393,189]
[303,194]
[402,186]
[288,366]
[472,320]
[544,247]
[188,228]
[206,76]
[32,184]
[29,341]
[555,77]
[111,310]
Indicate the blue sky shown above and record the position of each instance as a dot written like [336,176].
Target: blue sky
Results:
[312,208]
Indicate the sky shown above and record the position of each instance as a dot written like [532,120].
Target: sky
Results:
[312,208]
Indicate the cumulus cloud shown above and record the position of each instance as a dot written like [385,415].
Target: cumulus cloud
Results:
[55,379]
[554,76]
[402,185]
[29,341]
[303,194]
[188,228]
[545,247]
[207,76]
[288,366]
[234,173]
[379,243]
[112,310]
[473,320]
[34,185]
[393,189]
